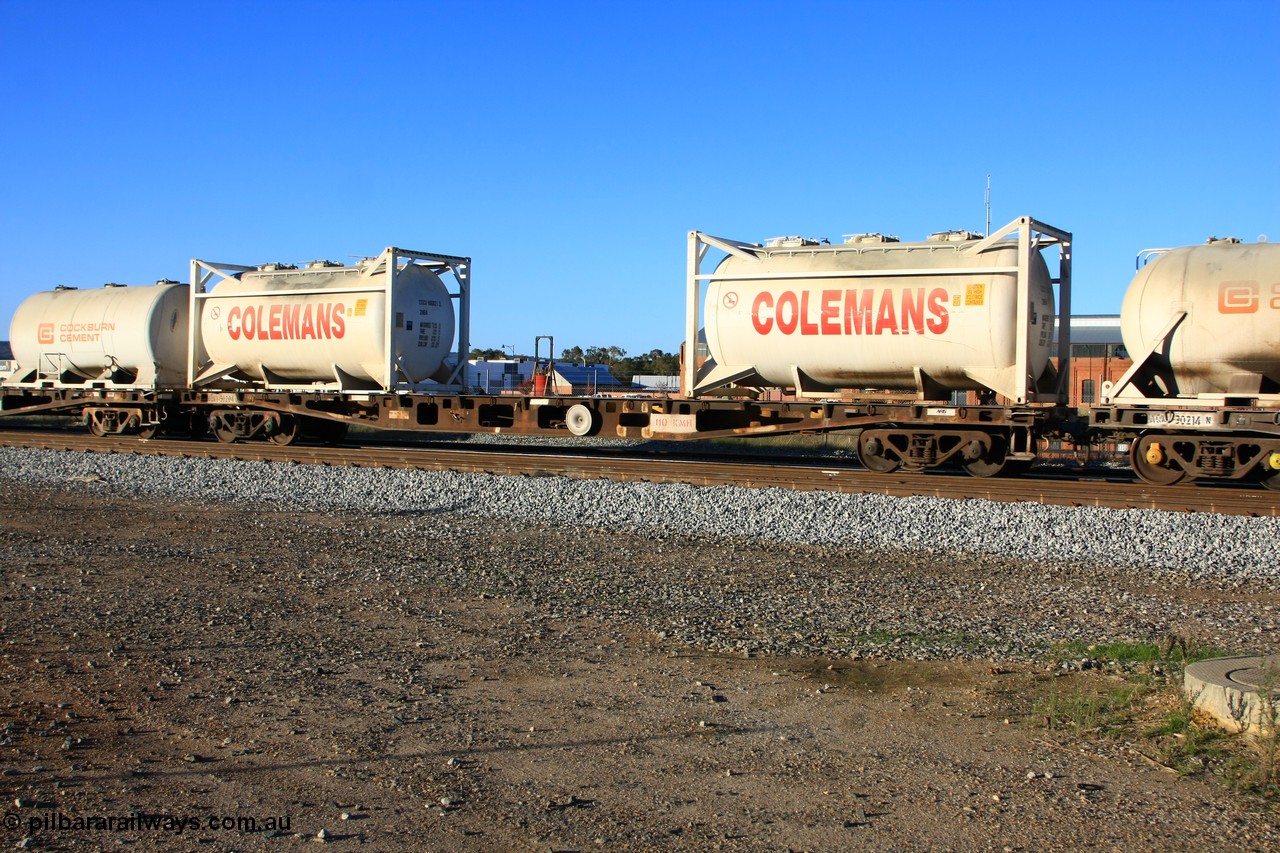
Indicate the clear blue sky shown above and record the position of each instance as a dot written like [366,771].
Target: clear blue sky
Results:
[568,147]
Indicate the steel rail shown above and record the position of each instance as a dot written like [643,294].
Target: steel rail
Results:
[1119,491]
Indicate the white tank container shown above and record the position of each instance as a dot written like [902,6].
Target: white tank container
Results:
[127,336]
[1230,292]
[328,323]
[886,320]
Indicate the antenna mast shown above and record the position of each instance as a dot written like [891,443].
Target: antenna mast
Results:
[988,200]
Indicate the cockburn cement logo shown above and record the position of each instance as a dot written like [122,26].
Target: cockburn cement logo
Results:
[1245,297]
[71,333]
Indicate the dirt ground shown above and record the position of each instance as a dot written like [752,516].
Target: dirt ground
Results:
[219,677]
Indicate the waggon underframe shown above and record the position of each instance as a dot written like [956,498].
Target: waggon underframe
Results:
[609,417]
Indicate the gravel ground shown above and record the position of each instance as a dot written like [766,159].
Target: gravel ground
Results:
[829,573]
[471,662]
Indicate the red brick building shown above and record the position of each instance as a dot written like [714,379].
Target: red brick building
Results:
[1097,355]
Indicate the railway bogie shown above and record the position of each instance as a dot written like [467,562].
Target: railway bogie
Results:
[1163,459]
[1206,442]
[981,453]
[117,420]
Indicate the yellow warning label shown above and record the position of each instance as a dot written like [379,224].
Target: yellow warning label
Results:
[362,304]
[975,294]
[955,300]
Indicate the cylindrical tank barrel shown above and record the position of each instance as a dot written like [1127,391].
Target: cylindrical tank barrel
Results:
[329,323]
[119,334]
[1230,337]
[875,316]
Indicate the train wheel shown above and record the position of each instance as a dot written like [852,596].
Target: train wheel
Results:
[992,461]
[1150,460]
[287,433]
[148,431]
[224,433]
[1269,471]
[95,427]
[871,454]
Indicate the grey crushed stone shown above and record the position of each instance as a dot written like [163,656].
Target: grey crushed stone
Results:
[1201,546]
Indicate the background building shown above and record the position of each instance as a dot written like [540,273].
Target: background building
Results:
[515,376]
[1097,355]
[658,384]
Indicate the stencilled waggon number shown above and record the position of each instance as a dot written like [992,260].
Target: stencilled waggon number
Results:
[1187,419]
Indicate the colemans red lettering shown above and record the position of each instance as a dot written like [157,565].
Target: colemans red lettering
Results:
[280,322]
[908,311]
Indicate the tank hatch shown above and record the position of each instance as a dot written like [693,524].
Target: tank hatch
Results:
[875,237]
[954,237]
[790,242]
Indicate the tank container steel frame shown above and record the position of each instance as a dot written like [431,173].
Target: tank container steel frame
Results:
[1031,236]
[206,274]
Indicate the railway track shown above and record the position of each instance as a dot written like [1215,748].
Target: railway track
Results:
[1117,490]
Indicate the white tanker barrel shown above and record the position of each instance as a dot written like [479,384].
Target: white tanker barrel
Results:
[116,335]
[1229,339]
[327,325]
[878,315]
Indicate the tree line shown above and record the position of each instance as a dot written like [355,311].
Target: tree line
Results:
[653,363]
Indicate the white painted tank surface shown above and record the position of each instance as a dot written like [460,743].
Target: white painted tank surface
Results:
[308,326]
[1231,293]
[868,330]
[126,335]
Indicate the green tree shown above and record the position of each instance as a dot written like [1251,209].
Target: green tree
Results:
[622,366]
[608,356]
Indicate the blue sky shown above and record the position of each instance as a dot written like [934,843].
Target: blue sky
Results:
[569,147]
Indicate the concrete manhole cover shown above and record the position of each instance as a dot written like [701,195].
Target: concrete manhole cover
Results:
[1242,693]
